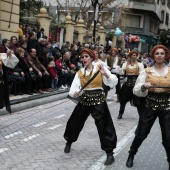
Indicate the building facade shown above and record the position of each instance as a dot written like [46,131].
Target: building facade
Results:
[9,18]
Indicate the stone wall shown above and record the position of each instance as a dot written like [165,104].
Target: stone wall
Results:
[9,18]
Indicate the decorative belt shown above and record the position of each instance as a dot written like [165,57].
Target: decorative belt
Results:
[158,101]
[92,97]
[131,80]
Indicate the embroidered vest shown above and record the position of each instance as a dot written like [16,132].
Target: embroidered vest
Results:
[96,83]
[158,98]
[132,71]
[132,74]
[158,81]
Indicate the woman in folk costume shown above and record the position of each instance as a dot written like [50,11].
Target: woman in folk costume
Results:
[98,61]
[153,83]
[115,61]
[93,102]
[7,59]
[131,68]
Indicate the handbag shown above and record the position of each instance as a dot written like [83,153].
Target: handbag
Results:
[77,99]
[32,75]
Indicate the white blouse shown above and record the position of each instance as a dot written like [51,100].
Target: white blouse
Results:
[115,66]
[76,86]
[142,78]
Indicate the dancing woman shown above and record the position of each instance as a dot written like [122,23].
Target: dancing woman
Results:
[93,102]
[131,68]
[154,83]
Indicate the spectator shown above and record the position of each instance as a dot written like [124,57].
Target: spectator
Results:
[24,38]
[32,41]
[53,72]
[23,45]
[20,31]
[62,72]
[38,69]
[5,46]
[14,43]
[40,34]
[26,68]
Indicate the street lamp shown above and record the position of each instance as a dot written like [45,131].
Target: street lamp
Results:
[96,4]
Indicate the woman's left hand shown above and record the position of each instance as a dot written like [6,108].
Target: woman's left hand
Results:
[101,68]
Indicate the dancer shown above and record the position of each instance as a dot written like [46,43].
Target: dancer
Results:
[154,83]
[132,68]
[93,102]
[7,59]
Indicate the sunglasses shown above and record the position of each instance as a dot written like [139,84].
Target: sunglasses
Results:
[161,53]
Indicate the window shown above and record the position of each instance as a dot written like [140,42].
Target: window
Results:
[133,21]
[162,15]
[154,26]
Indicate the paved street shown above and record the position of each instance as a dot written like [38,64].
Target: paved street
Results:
[32,139]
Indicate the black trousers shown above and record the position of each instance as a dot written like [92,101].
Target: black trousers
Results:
[2,95]
[146,121]
[103,121]
[126,95]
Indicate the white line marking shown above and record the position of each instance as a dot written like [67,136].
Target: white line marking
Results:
[3,149]
[40,124]
[99,164]
[60,116]
[30,137]
[13,134]
[54,127]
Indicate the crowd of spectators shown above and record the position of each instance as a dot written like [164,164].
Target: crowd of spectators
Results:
[43,66]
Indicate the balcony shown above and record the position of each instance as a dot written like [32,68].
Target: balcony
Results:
[146,5]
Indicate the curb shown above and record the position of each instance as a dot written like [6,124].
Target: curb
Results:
[35,100]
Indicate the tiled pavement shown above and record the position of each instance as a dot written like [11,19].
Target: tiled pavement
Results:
[32,139]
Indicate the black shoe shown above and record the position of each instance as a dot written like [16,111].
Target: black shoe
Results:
[110,159]
[119,116]
[130,159]
[67,147]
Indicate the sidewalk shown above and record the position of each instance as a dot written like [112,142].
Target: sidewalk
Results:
[25,101]
[151,154]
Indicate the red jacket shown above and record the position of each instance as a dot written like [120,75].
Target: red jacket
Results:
[53,72]
[59,64]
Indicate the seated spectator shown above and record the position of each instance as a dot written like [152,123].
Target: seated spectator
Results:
[39,70]
[23,38]
[5,46]
[62,72]
[53,72]
[23,45]
[16,76]
[26,68]
[14,43]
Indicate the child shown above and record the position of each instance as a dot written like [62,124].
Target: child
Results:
[53,72]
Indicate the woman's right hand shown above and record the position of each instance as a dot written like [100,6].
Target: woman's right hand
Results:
[30,69]
[76,94]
